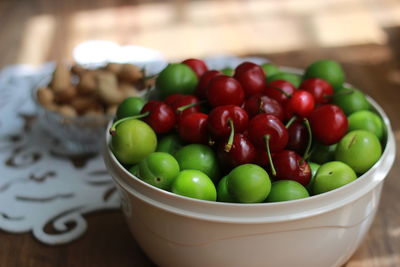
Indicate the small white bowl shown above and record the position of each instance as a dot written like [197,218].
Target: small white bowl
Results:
[319,231]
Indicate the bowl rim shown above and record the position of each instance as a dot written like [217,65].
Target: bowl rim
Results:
[374,173]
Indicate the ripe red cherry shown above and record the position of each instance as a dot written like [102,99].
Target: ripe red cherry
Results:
[252,78]
[225,90]
[201,89]
[242,152]
[263,104]
[185,104]
[320,89]
[161,116]
[290,166]
[301,103]
[172,98]
[193,128]
[328,123]
[197,65]
[298,137]
[279,90]
[222,118]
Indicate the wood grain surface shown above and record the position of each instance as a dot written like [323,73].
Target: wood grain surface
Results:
[41,30]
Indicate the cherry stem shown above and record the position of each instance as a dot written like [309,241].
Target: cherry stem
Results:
[308,127]
[260,107]
[182,108]
[113,129]
[228,145]
[290,122]
[280,90]
[271,164]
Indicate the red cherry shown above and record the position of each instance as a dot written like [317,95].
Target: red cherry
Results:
[172,98]
[197,65]
[221,117]
[301,103]
[161,116]
[225,90]
[193,128]
[298,137]
[290,166]
[185,104]
[328,123]
[320,89]
[263,104]
[252,78]
[242,152]
[201,89]
[279,90]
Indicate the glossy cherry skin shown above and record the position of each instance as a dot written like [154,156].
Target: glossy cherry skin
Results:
[184,100]
[218,120]
[298,137]
[201,89]
[161,116]
[252,78]
[279,90]
[263,125]
[242,152]
[320,89]
[301,103]
[263,104]
[290,166]
[193,128]
[197,65]
[328,124]
[225,90]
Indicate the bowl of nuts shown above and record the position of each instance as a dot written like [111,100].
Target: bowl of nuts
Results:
[75,102]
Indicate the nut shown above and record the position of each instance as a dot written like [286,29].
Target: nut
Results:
[65,95]
[61,78]
[67,111]
[87,83]
[78,70]
[84,103]
[130,73]
[113,67]
[108,88]
[45,97]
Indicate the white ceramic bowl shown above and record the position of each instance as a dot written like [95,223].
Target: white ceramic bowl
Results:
[320,231]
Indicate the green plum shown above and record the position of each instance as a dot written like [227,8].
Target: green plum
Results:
[228,71]
[194,184]
[285,190]
[322,153]
[249,183]
[294,79]
[314,168]
[159,169]
[170,144]
[359,149]
[350,100]
[270,69]
[222,191]
[134,170]
[199,157]
[176,78]
[328,70]
[131,106]
[133,141]
[367,120]
[332,175]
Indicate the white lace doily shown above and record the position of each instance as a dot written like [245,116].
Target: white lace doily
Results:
[41,192]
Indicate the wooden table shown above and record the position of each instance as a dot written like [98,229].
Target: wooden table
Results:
[372,66]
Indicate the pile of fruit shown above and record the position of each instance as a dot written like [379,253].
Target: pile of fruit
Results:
[250,134]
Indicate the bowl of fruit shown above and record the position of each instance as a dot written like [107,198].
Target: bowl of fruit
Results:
[252,165]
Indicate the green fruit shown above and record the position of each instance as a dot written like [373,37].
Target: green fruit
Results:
[176,79]
[170,144]
[322,153]
[159,169]
[285,76]
[270,69]
[367,120]
[350,100]
[133,141]
[228,71]
[198,157]
[134,170]
[332,175]
[314,168]
[359,149]
[131,106]
[249,183]
[194,184]
[285,190]
[222,191]
[327,70]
